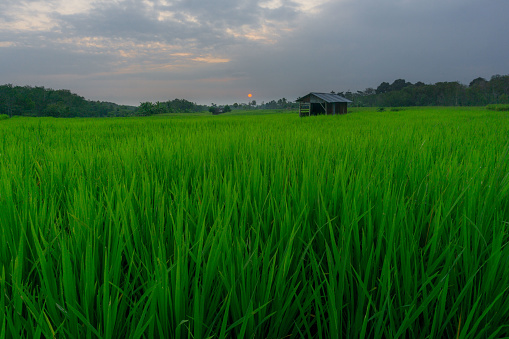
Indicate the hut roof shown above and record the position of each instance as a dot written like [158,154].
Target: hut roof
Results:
[327,97]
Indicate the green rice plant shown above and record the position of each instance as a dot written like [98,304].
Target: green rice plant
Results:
[359,225]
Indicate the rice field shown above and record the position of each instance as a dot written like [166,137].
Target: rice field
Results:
[371,224]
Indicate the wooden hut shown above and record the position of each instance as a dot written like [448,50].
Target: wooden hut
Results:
[322,103]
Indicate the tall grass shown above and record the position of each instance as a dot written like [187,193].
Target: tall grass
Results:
[372,224]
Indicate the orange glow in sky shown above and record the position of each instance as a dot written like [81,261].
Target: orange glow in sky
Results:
[250,95]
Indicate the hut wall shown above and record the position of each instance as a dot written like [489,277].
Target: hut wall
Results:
[316,109]
[336,108]
[342,107]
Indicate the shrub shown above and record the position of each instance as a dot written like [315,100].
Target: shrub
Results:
[4,116]
[498,107]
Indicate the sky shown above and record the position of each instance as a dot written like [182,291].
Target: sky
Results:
[219,51]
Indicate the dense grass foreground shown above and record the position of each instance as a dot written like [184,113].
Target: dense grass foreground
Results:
[373,224]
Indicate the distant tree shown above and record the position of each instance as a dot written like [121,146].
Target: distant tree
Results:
[57,110]
[369,91]
[227,109]
[503,99]
[146,108]
[282,103]
[384,87]
[478,82]
[271,104]
[159,108]
[399,84]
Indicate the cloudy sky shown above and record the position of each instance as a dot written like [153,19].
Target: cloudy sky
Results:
[129,51]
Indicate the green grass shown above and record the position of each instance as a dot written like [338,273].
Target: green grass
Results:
[233,112]
[370,224]
[260,112]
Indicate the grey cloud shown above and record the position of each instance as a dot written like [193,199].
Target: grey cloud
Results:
[353,46]
[112,21]
[48,61]
[134,19]
[345,45]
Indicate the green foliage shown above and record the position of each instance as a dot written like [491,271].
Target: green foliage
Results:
[146,108]
[498,107]
[4,116]
[171,106]
[400,93]
[40,101]
[282,103]
[363,225]
[214,109]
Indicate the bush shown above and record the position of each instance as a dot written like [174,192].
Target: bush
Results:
[4,116]
[498,107]
[381,109]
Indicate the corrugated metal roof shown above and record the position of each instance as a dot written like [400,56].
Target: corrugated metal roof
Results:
[328,97]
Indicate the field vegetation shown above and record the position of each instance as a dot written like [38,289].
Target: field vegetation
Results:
[46,102]
[499,107]
[390,224]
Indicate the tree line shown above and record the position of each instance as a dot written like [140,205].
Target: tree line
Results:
[41,101]
[170,106]
[479,92]
[282,103]
[47,102]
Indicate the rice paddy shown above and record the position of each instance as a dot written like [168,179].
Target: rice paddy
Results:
[370,224]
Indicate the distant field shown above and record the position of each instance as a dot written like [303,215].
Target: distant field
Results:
[233,112]
[389,224]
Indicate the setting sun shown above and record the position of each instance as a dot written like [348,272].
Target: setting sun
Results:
[250,95]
